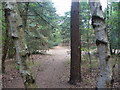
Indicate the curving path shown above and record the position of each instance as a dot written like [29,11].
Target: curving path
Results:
[53,71]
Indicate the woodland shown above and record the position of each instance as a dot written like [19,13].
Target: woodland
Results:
[41,49]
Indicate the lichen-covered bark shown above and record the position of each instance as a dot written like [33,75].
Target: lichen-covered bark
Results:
[17,33]
[98,23]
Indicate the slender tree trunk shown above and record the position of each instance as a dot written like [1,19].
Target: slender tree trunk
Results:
[118,40]
[75,68]
[5,43]
[88,41]
[106,68]
[108,14]
[24,27]
[89,56]
[1,49]
[17,33]
[111,29]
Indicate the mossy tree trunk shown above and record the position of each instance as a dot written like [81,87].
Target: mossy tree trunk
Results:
[106,68]
[17,33]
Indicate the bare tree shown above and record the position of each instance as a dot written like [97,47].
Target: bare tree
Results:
[75,68]
[98,23]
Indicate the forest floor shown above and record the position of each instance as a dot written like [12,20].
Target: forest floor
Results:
[52,71]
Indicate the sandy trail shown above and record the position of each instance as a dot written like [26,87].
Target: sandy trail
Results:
[53,72]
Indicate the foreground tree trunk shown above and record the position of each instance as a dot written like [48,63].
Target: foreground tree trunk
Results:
[17,33]
[98,23]
[75,68]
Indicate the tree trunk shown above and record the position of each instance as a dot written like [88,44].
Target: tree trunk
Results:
[111,51]
[11,49]
[1,48]
[88,41]
[75,68]
[118,40]
[108,28]
[98,23]
[17,33]
[5,43]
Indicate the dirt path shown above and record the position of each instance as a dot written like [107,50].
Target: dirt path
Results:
[50,71]
[53,71]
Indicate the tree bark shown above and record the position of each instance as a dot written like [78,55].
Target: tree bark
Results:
[118,41]
[75,68]
[106,69]
[11,49]
[1,48]
[5,43]
[108,15]
[17,33]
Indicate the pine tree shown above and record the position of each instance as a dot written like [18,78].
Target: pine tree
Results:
[75,68]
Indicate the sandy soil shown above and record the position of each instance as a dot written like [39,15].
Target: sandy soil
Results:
[53,72]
